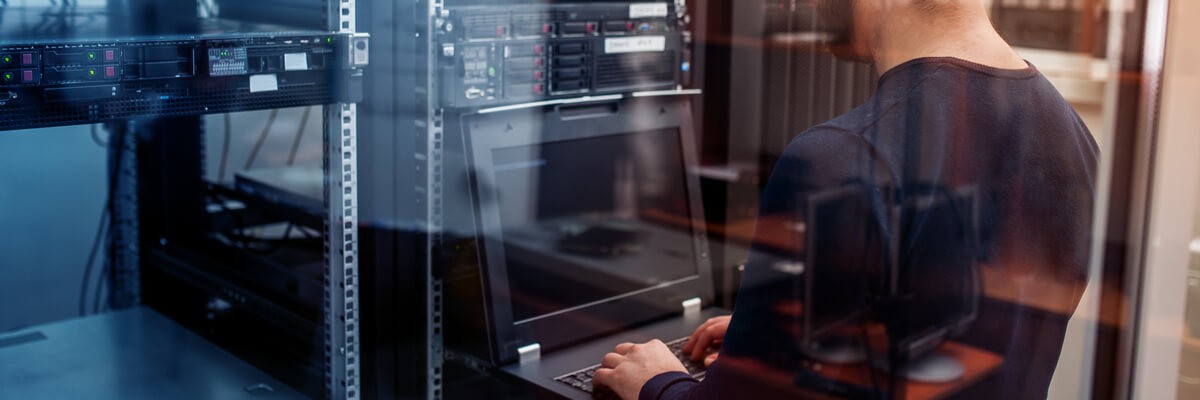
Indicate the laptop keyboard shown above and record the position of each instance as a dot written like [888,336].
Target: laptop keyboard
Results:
[582,379]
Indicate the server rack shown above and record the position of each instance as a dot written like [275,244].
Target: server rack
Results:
[453,40]
[162,256]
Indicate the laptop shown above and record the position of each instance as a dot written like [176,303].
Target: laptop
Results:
[591,234]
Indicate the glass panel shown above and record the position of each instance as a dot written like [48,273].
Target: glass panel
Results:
[585,199]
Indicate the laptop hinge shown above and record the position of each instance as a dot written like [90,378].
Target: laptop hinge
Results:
[691,306]
[530,353]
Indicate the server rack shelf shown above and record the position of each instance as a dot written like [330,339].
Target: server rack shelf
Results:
[287,319]
[129,347]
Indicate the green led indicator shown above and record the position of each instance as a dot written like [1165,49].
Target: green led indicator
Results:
[328,40]
[8,76]
[7,59]
[491,71]
[91,56]
[92,72]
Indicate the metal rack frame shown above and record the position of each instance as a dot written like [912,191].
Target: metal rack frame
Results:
[431,14]
[342,344]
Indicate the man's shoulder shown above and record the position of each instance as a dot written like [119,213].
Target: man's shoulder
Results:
[822,139]
[843,133]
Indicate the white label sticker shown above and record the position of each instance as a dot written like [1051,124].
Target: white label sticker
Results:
[647,10]
[295,62]
[638,44]
[263,83]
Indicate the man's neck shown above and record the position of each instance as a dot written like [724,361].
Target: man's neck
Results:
[908,34]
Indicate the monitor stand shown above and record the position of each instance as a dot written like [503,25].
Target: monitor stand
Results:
[934,368]
[837,350]
[930,368]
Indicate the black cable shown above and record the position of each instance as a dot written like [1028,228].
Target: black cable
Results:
[299,135]
[105,221]
[225,149]
[96,304]
[87,271]
[262,137]
[96,137]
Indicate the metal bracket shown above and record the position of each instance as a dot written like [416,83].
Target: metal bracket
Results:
[360,45]
[691,306]
[345,16]
[530,353]
[340,140]
[341,247]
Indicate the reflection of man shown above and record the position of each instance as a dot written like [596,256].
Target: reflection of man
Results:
[955,107]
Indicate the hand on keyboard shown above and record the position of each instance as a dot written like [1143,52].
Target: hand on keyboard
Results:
[582,379]
[706,338]
[630,366]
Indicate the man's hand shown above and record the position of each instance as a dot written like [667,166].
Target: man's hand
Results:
[707,336]
[630,366]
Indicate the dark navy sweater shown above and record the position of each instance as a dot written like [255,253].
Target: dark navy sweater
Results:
[934,122]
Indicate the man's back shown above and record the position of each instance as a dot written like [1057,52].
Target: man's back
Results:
[937,123]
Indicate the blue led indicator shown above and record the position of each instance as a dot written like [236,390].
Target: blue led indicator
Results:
[685,67]
[164,97]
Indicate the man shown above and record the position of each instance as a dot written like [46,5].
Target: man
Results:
[955,107]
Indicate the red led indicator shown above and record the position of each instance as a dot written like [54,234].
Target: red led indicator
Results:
[591,27]
[110,72]
[539,49]
[27,59]
[27,76]
[109,55]
[629,26]
[538,75]
[500,30]
[539,88]
[547,28]
[538,62]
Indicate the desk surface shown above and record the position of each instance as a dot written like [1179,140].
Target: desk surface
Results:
[978,364]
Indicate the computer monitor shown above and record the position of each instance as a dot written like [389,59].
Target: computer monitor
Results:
[924,251]
[937,277]
[844,258]
[590,220]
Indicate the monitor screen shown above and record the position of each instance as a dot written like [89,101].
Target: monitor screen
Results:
[845,258]
[591,220]
[938,264]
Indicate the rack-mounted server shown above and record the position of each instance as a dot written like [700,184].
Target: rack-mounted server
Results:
[495,55]
[74,82]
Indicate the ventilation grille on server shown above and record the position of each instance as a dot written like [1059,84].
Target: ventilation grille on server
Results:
[489,26]
[635,70]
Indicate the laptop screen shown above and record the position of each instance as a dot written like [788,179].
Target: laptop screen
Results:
[591,220]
